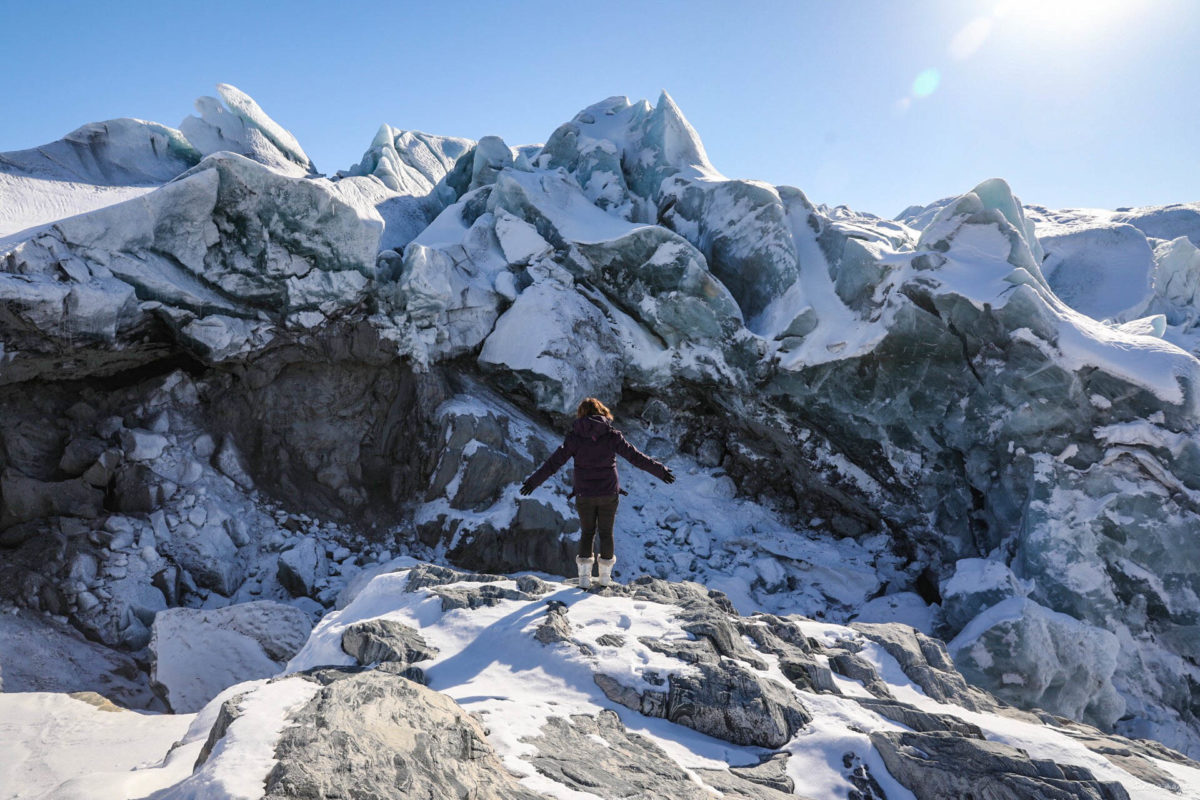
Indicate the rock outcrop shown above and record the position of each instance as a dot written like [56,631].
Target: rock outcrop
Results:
[528,722]
[377,734]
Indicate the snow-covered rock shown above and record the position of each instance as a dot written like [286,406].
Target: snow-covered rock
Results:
[602,693]
[197,654]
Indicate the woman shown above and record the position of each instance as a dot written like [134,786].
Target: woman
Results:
[595,445]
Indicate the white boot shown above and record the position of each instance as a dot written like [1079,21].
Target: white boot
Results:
[585,571]
[606,565]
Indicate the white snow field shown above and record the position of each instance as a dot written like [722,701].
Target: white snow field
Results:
[62,746]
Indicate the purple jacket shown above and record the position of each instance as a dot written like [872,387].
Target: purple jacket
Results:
[595,445]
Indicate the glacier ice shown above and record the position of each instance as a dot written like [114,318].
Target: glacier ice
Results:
[117,152]
[229,238]
[992,405]
[241,126]
[1107,273]
[557,346]
[1034,657]
[408,177]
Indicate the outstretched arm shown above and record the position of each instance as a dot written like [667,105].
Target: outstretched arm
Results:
[553,464]
[642,461]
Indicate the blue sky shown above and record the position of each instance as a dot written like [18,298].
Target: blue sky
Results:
[877,105]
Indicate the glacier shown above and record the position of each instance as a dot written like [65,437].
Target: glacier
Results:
[228,378]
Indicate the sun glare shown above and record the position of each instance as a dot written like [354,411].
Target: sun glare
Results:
[1065,20]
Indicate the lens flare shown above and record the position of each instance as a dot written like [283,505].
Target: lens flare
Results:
[926,83]
[970,38]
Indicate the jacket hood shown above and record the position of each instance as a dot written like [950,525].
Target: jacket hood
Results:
[592,427]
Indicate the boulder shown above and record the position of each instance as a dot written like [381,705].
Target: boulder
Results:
[26,499]
[302,566]
[934,766]
[197,653]
[630,765]
[368,734]
[142,445]
[724,700]
[208,553]
[374,640]
[39,654]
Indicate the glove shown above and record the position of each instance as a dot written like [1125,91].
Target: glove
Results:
[526,488]
[669,477]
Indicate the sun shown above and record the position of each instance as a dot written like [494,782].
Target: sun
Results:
[1066,20]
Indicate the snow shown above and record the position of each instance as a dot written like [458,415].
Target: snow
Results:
[907,608]
[972,575]
[27,203]
[563,203]
[1147,361]
[446,230]
[838,728]
[58,746]
[489,663]
[518,239]
[978,269]
[241,760]
[840,332]
[553,333]
[198,654]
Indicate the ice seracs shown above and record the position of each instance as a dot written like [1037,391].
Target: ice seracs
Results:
[865,412]
[240,126]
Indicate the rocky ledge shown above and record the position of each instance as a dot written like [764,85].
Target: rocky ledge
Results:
[435,683]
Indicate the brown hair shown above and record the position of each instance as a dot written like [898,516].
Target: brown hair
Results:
[592,407]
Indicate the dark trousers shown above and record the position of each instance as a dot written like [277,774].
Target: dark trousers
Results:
[596,515]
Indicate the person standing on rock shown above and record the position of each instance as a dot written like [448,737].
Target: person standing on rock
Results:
[595,444]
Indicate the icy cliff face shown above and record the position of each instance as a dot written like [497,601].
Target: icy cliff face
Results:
[211,389]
